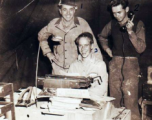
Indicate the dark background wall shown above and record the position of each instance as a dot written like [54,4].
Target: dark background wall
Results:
[21,20]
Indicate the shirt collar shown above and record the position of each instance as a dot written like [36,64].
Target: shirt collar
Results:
[76,21]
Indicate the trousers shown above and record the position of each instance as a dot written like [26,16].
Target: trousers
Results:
[123,83]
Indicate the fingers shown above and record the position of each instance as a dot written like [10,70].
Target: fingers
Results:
[109,52]
[132,17]
[129,24]
[51,57]
[110,55]
[54,60]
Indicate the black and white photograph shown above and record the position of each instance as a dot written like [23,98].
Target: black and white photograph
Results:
[75,60]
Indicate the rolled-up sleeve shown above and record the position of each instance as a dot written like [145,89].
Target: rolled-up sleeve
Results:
[102,89]
[104,76]
[138,38]
[103,36]
[43,36]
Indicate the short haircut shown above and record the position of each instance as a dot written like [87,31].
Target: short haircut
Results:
[86,35]
[114,3]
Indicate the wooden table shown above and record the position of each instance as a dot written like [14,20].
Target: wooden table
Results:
[34,113]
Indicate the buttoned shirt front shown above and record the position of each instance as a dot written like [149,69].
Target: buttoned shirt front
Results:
[92,65]
[66,51]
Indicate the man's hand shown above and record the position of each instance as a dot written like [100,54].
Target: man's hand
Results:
[109,52]
[129,26]
[51,57]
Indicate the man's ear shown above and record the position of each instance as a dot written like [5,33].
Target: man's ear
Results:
[91,46]
[127,9]
[60,10]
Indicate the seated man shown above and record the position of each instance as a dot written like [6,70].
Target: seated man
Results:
[89,66]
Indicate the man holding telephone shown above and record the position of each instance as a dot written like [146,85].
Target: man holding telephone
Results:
[128,41]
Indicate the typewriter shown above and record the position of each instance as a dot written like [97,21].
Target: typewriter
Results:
[50,83]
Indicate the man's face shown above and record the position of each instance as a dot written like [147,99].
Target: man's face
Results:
[67,12]
[119,12]
[84,47]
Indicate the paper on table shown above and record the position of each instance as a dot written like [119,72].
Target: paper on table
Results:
[105,98]
[76,93]
[66,99]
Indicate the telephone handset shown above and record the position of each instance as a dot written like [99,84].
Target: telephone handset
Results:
[131,15]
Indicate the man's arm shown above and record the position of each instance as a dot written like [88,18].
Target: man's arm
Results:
[137,38]
[100,90]
[104,76]
[86,28]
[103,38]
[43,36]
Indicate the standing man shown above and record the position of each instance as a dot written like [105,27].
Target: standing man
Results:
[64,29]
[127,45]
[89,66]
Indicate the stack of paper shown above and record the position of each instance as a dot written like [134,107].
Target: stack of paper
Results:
[65,102]
[74,93]
[67,98]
